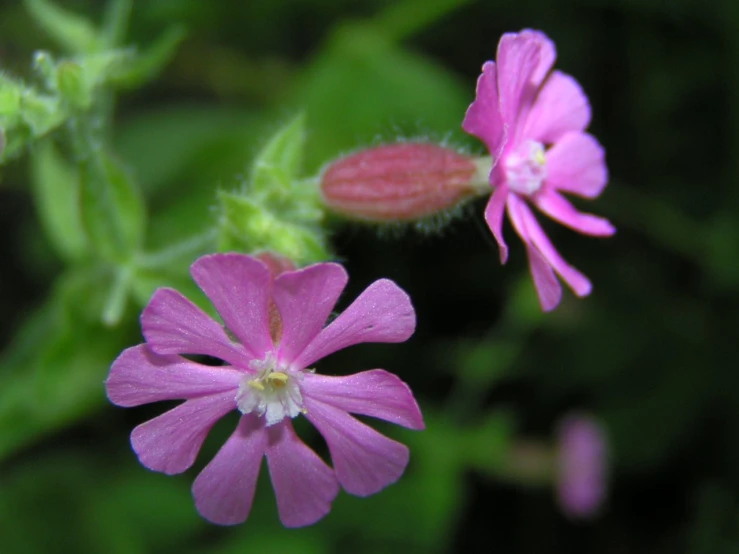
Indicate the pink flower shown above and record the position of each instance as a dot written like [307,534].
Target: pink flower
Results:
[582,464]
[277,322]
[532,120]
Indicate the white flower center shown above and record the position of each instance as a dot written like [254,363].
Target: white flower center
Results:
[525,168]
[273,393]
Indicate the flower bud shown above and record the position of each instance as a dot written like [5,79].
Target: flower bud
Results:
[72,84]
[582,466]
[399,182]
[276,263]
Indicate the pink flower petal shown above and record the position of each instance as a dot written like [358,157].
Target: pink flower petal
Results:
[494,219]
[374,393]
[224,490]
[559,209]
[483,116]
[239,288]
[139,376]
[382,313]
[365,461]
[561,106]
[304,485]
[533,235]
[523,61]
[546,283]
[174,325]
[576,164]
[547,55]
[305,299]
[169,443]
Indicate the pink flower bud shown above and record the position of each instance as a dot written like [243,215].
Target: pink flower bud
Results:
[276,264]
[398,182]
[582,466]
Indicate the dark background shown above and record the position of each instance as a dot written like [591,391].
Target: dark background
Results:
[651,353]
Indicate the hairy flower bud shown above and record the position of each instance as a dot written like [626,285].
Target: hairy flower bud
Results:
[399,182]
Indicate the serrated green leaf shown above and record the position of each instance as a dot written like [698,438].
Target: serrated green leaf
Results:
[56,194]
[112,208]
[72,32]
[277,164]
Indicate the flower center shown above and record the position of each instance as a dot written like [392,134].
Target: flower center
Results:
[274,392]
[525,168]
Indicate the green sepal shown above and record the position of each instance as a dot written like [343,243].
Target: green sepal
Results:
[277,165]
[249,227]
[73,85]
[41,113]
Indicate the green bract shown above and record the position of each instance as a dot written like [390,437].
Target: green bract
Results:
[275,210]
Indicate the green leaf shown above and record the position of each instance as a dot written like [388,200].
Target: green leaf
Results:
[117,15]
[150,61]
[277,165]
[52,372]
[73,33]
[56,194]
[204,145]
[118,293]
[112,208]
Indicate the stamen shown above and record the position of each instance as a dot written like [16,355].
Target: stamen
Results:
[525,168]
[277,378]
[256,384]
[271,393]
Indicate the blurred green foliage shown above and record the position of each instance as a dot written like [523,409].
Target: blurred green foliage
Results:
[652,352]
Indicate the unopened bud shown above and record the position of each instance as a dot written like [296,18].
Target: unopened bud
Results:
[399,182]
[582,466]
[71,83]
[276,263]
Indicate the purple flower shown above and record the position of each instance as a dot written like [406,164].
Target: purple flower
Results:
[532,120]
[581,466]
[277,323]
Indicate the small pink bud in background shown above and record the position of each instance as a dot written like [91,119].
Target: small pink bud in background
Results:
[582,465]
[276,263]
[399,182]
